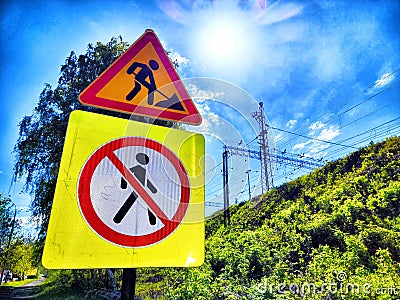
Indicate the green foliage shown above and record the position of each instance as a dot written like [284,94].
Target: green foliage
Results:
[5,220]
[76,284]
[333,234]
[15,253]
[20,258]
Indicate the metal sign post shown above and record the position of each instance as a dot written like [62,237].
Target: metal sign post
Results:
[128,284]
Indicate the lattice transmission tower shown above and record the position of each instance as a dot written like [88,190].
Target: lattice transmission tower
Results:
[268,157]
[266,152]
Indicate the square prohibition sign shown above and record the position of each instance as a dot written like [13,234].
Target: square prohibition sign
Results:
[128,195]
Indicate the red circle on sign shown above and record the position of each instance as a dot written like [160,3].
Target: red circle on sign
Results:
[92,218]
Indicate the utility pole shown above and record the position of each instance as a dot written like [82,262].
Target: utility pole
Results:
[248,182]
[225,185]
[266,169]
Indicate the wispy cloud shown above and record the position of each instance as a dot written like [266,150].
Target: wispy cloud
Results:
[317,125]
[202,94]
[278,137]
[278,12]
[290,124]
[317,150]
[328,134]
[301,145]
[210,119]
[386,79]
[314,147]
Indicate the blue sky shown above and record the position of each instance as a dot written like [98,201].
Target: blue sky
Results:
[328,70]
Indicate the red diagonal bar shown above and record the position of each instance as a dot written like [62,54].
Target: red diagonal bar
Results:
[135,184]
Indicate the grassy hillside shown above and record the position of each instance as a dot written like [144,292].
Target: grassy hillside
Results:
[332,234]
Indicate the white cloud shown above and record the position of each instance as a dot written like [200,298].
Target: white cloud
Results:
[328,134]
[384,80]
[317,150]
[210,119]
[299,115]
[301,145]
[314,147]
[291,123]
[181,60]
[317,125]
[201,94]
[278,137]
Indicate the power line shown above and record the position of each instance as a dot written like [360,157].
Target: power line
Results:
[379,127]
[374,128]
[213,168]
[369,98]
[366,115]
[348,100]
[379,133]
[315,139]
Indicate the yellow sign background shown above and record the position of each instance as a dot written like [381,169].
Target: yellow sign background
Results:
[71,243]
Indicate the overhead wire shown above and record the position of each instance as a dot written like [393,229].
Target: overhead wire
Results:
[395,130]
[364,116]
[311,138]
[378,127]
[286,142]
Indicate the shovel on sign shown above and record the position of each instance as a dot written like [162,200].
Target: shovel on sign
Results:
[172,102]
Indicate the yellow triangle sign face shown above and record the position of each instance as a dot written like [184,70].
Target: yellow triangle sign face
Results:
[143,81]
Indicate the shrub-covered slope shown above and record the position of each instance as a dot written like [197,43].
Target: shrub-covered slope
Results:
[332,234]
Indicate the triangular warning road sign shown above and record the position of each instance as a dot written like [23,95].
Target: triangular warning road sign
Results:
[143,81]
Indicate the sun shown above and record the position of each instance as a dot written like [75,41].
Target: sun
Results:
[224,40]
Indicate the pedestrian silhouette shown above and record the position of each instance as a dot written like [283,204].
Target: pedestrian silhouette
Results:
[144,76]
[140,174]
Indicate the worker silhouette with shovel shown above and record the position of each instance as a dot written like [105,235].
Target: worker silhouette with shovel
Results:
[140,174]
[144,77]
